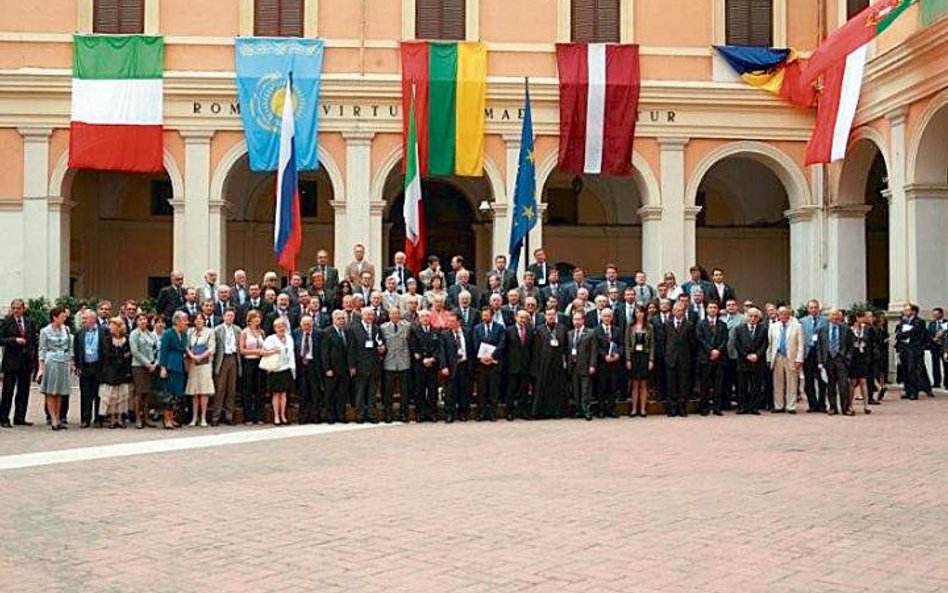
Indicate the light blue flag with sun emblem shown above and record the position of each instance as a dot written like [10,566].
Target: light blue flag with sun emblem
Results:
[263,65]
[525,191]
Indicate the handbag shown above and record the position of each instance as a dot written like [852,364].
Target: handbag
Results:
[270,363]
[160,398]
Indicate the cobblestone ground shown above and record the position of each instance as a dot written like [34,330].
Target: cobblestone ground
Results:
[773,503]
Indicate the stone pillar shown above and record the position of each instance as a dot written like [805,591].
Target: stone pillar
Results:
[500,232]
[675,251]
[59,243]
[927,207]
[217,238]
[846,254]
[899,260]
[651,217]
[691,240]
[196,218]
[805,267]
[359,225]
[37,235]
[342,249]
[178,234]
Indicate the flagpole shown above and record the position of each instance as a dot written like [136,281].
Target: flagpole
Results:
[526,238]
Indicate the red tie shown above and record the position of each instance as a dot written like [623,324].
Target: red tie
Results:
[523,336]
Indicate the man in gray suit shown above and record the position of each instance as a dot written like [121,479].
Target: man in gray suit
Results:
[226,369]
[397,364]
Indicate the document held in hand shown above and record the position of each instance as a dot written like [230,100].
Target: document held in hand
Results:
[486,350]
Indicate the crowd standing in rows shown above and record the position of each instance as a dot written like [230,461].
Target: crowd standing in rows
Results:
[545,347]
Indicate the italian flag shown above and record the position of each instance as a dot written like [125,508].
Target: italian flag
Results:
[448,82]
[841,60]
[117,95]
[413,208]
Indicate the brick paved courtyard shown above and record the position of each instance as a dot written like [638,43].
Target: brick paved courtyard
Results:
[775,503]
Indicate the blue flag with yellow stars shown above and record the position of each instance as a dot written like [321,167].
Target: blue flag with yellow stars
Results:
[525,192]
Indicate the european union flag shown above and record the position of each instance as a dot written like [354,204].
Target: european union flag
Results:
[525,192]
[263,65]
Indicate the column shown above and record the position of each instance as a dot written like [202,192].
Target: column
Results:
[691,217]
[927,206]
[846,255]
[899,260]
[500,232]
[360,226]
[59,243]
[503,226]
[674,236]
[36,232]
[177,234]
[804,255]
[217,237]
[342,248]
[651,217]
[196,256]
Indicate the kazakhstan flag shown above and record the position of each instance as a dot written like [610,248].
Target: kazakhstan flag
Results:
[525,193]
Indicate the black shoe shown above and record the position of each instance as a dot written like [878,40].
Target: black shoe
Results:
[873,402]
[882,393]
[930,394]
[6,424]
[373,420]
[449,419]
[718,413]
[588,416]
[705,413]
[84,425]
[755,412]
[794,412]
[510,417]
[26,423]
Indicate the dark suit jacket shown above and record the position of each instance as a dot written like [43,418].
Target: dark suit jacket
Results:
[679,345]
[423,345]
[603,287]
[615,336]
[560,294]
[473,318]
[915,339]
[744,345]
[171,350]
[184,309]
[535,268]
[845,344]
[315,339]
[79,346]
[714,297]
[334,353]
[519,355]
[292,314]
[243,310]
[330,274]
[712,339]
[451,347]
[586,354]
[457,289]
[365,361]
[170,299]
[494,335]
[508,279]
[18,357]
[569,291]
[389,271]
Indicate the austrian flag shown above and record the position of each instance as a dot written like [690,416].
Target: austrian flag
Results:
[599,99]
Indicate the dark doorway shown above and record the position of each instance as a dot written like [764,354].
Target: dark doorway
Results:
[450,222]
[877,234]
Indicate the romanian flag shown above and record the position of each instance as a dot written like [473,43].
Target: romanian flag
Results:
[840,61]
[117,103]
[449,85]
[775,70]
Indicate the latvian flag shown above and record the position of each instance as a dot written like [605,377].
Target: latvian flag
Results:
[599,100]
[117,95]
[840,60]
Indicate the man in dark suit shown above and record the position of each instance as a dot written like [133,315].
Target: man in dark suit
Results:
[488,373]
[191,306]
[282,309]
[697,280]
[835,347]
[211,319]
[87,349]
[540,268]
[239,291]
[555,289]
[721,292]
[306,342]
[254,302]
[611,281]
[463,284]
[679,348]
[519,360]
[334,358]
[427,356]
[19,337]
[582,365]
[911,340]
[609,366]
[937,331]
[458,354]
[171,297]
[508,277]
[750,344]
[366,349]
[329,273]
[698,307]
[712,335]
[399,270]
[468,316]
[579,281]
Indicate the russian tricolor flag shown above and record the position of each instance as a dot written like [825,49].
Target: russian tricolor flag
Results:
[287,226]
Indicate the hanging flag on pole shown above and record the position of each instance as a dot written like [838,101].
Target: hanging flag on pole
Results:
[841,60]
[413,209]
[525,191]
[287,226]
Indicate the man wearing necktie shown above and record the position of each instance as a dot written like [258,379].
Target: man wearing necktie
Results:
[171,297]
[458,347]
[19,338]
[399,271]
[427,354]
[712,353]
[366,349]
[750,344]
[813,385]
[679,354]
[330,274]
[911,339]
[540,267]
[835,349]
[334,356]
[610,353]
[519,361]
[489,364]
[306,340]
[785,356]
[936,331]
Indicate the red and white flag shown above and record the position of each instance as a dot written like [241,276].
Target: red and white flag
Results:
[841,60]
[599,101]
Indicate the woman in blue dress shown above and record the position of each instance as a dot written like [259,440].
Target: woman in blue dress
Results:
[171,354]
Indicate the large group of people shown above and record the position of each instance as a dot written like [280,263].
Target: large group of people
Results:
[344,341]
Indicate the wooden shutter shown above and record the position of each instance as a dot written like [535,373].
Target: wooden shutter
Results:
[278,18]
[595,21]
[854,7]
[749,22]
[118,16]
[440,19]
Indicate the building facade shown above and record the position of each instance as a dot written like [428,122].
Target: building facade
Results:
[719,176]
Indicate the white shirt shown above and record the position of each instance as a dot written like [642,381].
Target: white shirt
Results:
[230,340]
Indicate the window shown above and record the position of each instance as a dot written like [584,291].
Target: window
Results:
[161,194]
[309,198]
[854,7]
[595,21]
[749,22]
[439,19]
[118,16]
[278,18]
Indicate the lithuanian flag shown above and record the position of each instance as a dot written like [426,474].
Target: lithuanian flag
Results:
[449,85]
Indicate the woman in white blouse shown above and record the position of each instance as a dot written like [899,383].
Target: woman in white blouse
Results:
[280,379]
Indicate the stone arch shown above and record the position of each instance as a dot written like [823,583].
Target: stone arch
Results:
[237,151]
[864,143]
[927,155]
[645,178]
[786,170]
[62,173]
